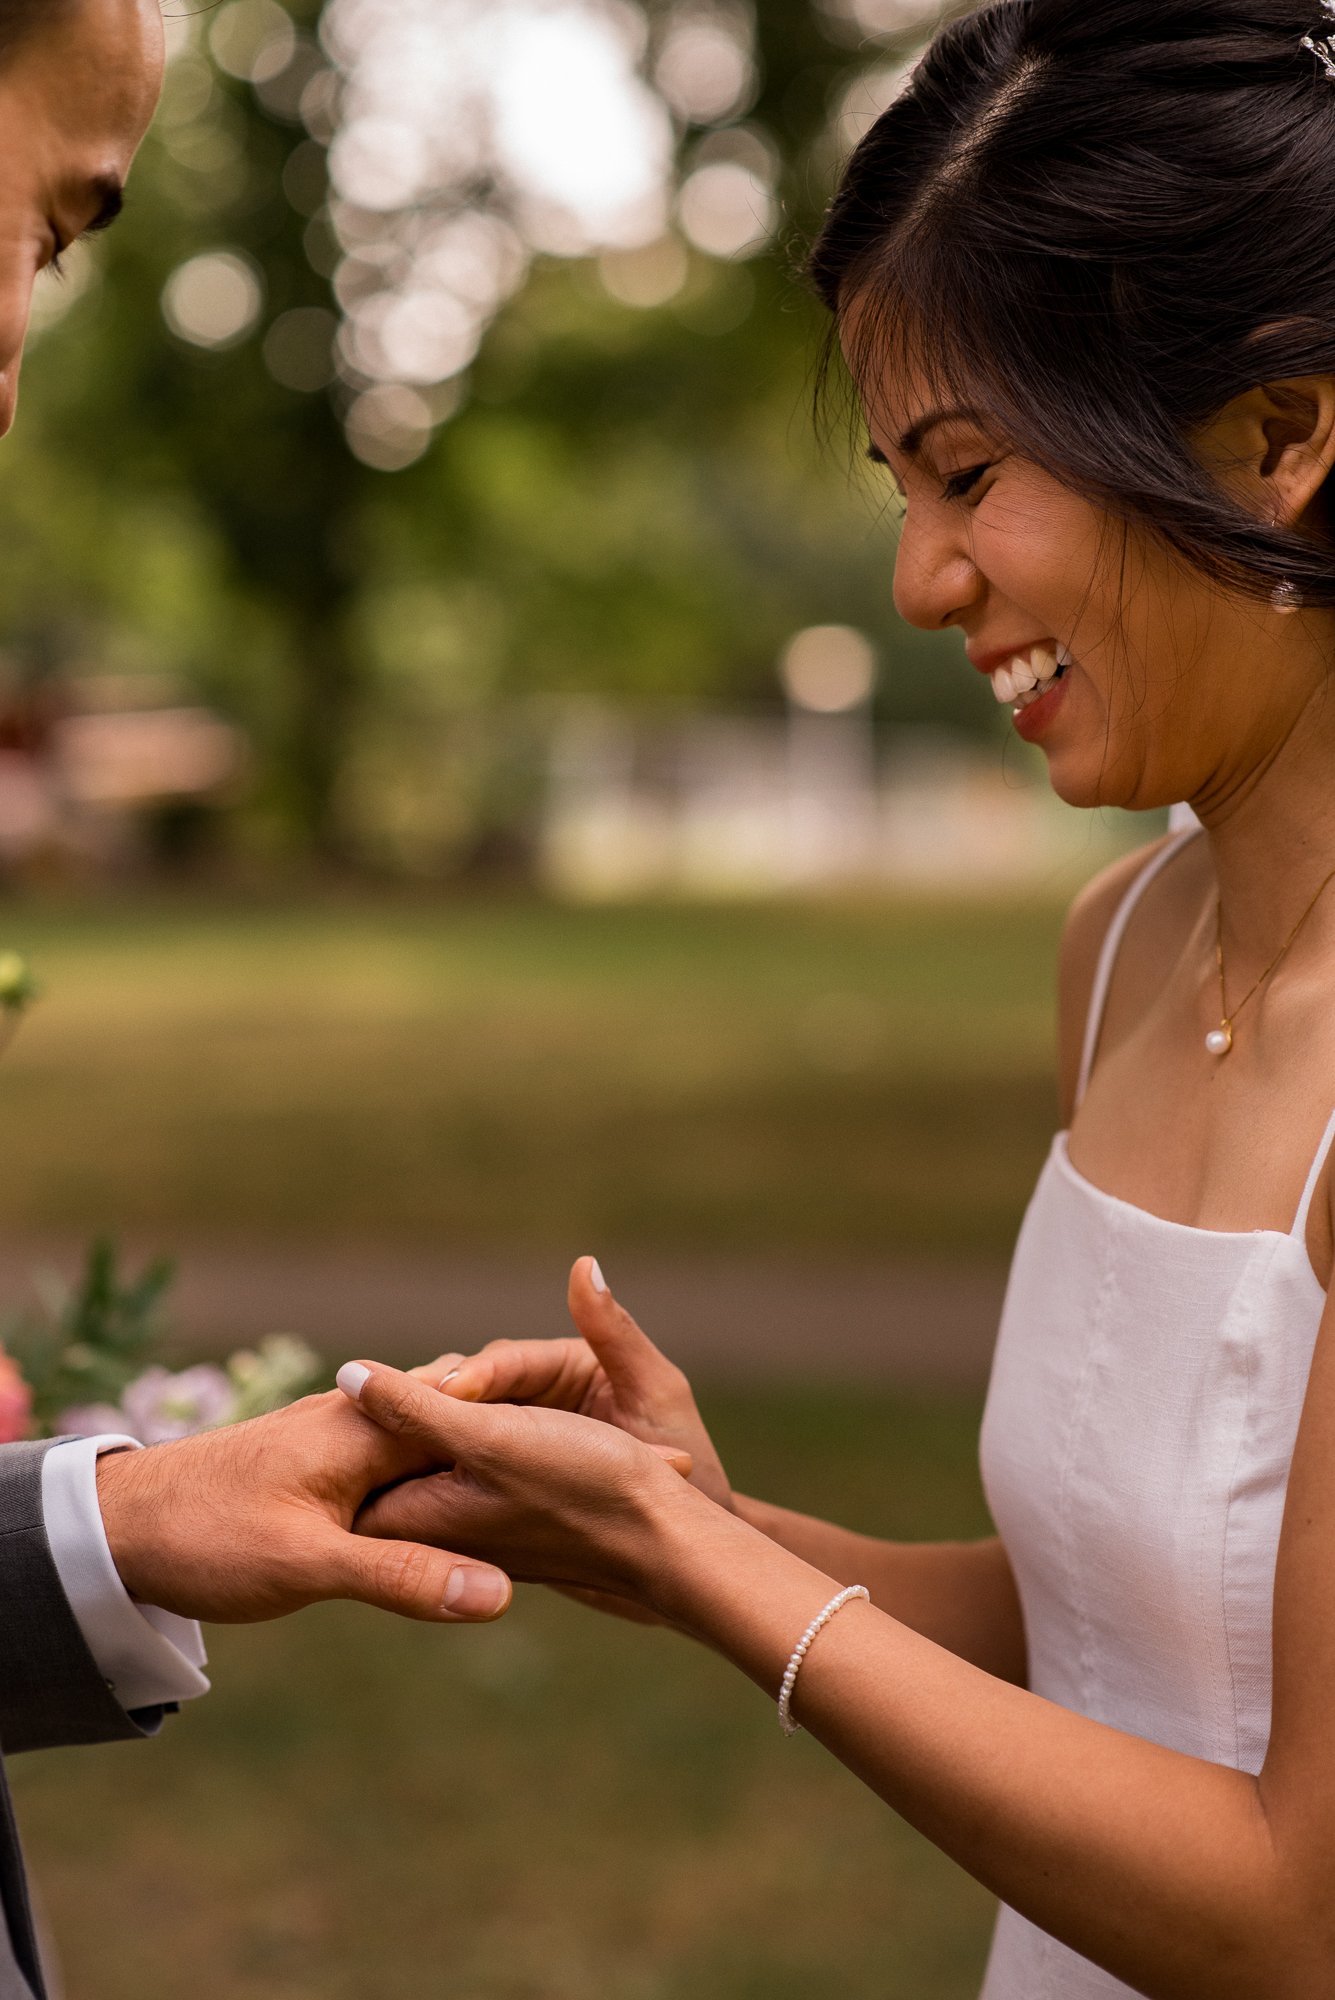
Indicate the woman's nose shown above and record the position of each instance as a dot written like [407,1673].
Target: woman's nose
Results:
[936,579]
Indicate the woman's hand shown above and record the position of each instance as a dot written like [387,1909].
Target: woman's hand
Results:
[615,1374]
[570,1501]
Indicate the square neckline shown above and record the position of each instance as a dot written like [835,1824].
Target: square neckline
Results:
[1062,1151]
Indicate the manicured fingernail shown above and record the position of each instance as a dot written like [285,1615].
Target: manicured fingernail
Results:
[352,1378]
[476,1593]
[596,1278]
[448,1378]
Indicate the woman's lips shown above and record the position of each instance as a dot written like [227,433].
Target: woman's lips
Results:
[1035,720]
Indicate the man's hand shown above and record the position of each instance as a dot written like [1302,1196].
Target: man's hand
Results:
[254,1521]
[615,1373]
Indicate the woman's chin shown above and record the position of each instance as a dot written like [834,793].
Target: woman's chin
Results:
[1076,784]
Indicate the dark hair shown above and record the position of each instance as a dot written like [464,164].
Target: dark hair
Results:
[1102,220]
[21,19]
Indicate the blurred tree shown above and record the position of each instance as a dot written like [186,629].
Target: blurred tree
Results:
[628,501]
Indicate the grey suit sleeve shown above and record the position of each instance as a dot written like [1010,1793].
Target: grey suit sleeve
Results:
[51,1691]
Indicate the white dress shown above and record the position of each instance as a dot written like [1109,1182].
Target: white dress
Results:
[1145,1400]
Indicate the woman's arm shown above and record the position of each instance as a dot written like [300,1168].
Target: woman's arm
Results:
[1186,1880]
[960,1595]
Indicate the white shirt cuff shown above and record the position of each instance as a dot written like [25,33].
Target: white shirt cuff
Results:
[147,1657]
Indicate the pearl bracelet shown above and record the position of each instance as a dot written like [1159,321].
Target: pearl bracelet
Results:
[803,1647]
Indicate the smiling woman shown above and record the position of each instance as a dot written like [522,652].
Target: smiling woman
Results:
[1083,271]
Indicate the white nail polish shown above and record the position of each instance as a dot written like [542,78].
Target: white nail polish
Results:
[352,1378]
[596,1278]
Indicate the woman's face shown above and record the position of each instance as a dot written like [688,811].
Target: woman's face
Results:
[1175,689]
[75,101]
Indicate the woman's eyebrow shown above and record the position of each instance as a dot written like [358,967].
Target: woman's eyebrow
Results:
[913,440]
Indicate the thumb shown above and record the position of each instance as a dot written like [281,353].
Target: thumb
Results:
[415,1582]
[680,1461]
[628,1356]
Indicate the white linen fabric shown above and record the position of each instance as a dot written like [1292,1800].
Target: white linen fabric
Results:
[148,1658]
[1146,1393]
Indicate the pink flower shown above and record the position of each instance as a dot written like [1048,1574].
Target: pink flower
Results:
[161,1406]
[88,1420]
[15,1403]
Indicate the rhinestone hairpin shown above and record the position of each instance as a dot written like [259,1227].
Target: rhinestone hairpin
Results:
[1323,48]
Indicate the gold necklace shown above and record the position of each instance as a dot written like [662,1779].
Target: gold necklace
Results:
[1219,1041]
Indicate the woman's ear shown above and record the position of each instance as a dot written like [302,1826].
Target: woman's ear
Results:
[1274,446]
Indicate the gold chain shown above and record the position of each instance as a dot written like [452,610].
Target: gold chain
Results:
[1227,1020]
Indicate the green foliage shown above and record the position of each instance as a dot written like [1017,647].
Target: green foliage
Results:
[91,1339]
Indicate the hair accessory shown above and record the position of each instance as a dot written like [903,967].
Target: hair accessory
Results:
[1323,47]
[803,1647]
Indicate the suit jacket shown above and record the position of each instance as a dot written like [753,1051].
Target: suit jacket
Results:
[51,1691]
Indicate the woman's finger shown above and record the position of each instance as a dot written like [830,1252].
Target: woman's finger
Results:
[637,1370]
[558,1374]
[408,1409]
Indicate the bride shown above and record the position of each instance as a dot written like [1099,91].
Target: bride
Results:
[1083,275]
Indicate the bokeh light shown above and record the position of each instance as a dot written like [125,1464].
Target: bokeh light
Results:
[647,277]
[472,135]
[390,426]
[253,40]
[829,669]
[705,69]
[213,300]
[727,209]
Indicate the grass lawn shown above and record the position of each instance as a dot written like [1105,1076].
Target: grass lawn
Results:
[558,1808]
[509,1074]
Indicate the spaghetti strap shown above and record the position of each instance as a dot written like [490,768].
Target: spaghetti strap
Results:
[1112,944]
[1313,1180]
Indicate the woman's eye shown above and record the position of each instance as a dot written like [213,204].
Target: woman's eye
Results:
[961,484]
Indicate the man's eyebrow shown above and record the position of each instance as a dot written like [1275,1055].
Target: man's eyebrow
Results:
[108,195]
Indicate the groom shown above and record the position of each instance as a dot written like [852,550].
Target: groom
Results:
[108,1554]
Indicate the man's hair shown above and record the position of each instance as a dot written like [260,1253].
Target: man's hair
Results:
[1100,221]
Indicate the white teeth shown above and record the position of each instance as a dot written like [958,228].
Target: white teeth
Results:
[1030,674]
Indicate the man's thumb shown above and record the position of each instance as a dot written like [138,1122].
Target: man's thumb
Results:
[417,1582]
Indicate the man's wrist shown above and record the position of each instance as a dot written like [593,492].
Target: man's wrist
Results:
[120,1495]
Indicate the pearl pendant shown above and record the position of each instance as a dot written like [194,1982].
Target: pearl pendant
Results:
[1220,1040]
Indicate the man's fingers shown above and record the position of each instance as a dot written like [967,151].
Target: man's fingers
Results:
[439,1371]
[417,1582]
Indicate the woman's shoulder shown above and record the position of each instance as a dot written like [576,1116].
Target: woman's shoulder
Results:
[1088,922]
